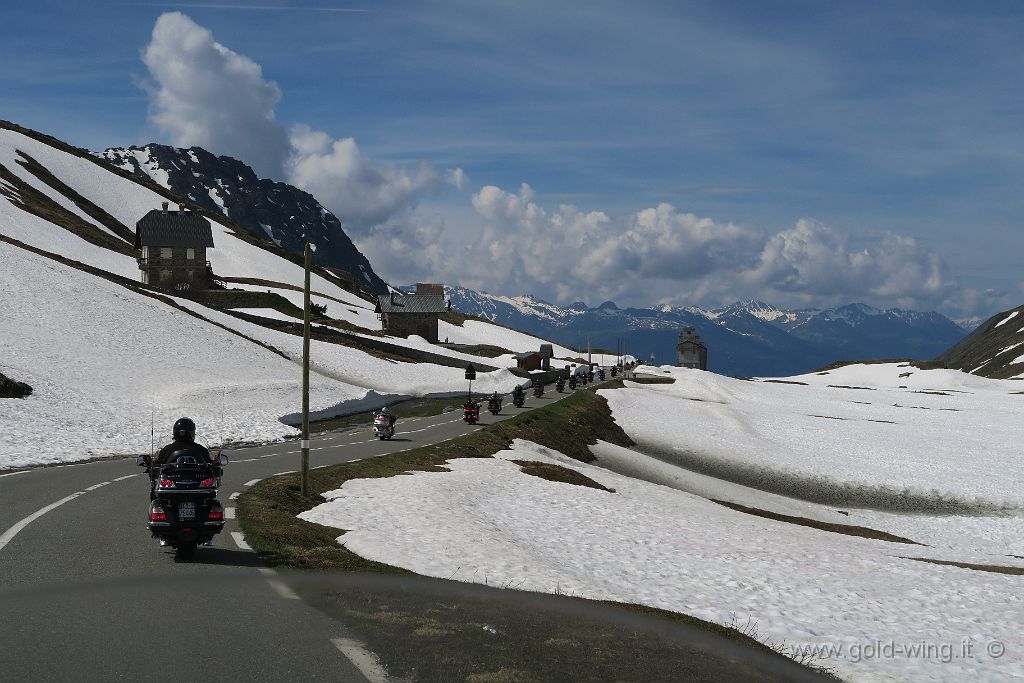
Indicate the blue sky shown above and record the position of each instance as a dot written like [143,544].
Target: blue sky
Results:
[821,144]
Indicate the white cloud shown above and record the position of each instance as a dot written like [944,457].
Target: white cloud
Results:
[457,177]
[204,94]
[360,192]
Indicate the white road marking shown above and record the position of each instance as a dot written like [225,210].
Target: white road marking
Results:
[127,476]
[283,473]
[251,482]
[234,495]
[240,540]
[279,588]
[229,513]
[14,474]
[96,486]
[362,659]
[13,531]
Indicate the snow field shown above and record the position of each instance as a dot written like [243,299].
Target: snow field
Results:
[485,521]
[879,446]
[103,365]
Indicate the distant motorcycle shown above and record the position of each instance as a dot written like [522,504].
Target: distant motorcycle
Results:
[471,413]
[600,374]
[560,385]
[383,427]
[185,512]
[519,399]
[494,405]
[615,370]
[572,382]
[538,389]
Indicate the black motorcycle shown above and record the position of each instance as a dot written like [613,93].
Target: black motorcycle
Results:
[538,389]
[185,512]
[600,374]
[494,405]
[560,385]
[519,399]
[572,382]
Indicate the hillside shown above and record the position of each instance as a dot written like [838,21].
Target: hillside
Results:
[278,211]
[749,338]
[995,349]
[106,355]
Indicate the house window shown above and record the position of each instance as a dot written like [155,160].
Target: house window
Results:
[165,276]
[165,253]
[190,254]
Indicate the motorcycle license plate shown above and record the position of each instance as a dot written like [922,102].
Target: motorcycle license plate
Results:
[187,510]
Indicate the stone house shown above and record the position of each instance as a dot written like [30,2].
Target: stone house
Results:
[691,351]
[404,314]
[172,247]
[535,360]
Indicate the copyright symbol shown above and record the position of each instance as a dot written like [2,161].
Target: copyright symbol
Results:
[995,649]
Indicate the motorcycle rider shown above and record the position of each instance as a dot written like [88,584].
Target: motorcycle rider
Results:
[386,412]
[184,432]
[518,395]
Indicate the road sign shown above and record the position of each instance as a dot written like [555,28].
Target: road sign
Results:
[470,372]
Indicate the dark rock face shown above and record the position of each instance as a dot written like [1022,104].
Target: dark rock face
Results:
[743,339]
[995,349]
[10,388]
[266,208]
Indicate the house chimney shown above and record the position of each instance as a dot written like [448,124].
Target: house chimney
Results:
[164,206]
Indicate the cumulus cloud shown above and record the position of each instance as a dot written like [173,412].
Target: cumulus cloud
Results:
[202,93]
[360,192]
[661,254]
[206,95]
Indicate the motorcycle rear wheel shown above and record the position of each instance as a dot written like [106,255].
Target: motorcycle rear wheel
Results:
[185,552]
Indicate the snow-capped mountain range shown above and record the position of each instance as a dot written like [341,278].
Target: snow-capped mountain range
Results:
[266,208]
[744,338]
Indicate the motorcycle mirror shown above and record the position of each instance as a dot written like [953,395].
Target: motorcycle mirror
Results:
[222,459]
[140,461]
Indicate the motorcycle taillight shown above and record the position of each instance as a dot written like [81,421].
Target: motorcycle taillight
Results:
[157,515]
[166,483]
[208,483]
[215,515]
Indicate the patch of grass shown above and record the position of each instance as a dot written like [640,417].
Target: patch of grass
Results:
[557,473]
[241,298]
[847,529]
[847,386]
[994,568]
[484,350]
[784,381]
[10,388]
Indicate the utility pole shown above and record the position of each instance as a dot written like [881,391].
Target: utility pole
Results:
[310,248]
[589,362]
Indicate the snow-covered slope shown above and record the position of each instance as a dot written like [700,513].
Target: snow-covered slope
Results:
[105,354]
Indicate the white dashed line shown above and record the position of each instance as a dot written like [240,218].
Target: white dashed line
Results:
[229,513]
[234,495]
[13,531]
[251,482]
[239,538]
[362,659]
[96,486]
[279,588]
[127,476]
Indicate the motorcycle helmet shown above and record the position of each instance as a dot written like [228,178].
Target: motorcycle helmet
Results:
[184,429]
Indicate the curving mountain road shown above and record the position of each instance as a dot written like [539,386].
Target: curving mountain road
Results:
[86,594]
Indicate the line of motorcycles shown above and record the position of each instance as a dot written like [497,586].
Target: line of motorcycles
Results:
[471,409]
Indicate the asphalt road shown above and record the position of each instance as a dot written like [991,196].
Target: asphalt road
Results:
[87,594]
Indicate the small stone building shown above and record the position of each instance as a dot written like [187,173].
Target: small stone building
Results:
[535,360]
[404,314]
[173,248]
[691,351]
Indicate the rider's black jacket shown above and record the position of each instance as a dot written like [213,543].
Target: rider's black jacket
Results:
[190,447]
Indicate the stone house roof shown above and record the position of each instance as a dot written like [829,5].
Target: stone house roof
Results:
[173,229]
[411,303]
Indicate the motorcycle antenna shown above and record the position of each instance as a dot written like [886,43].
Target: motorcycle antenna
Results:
[152,431]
